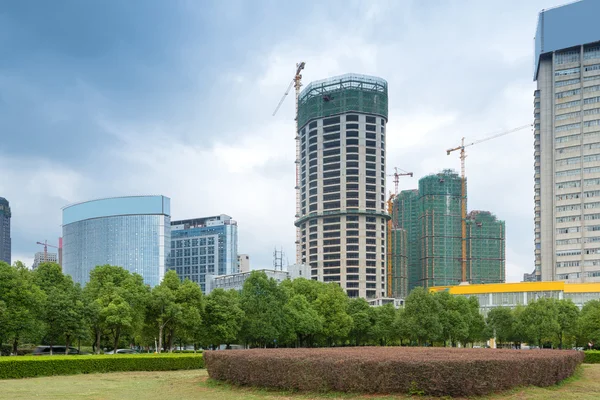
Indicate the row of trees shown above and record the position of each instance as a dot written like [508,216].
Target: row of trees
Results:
[117,309]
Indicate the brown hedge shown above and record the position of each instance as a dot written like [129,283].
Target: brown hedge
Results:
[433,371]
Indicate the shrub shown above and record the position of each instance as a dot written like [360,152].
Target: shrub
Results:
[592,357]
[29,366]
[432,371]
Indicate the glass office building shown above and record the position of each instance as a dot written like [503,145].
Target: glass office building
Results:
[204,246]
[131,232]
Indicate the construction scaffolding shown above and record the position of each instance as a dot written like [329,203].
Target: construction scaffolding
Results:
[406,212]
[486,258]
[440,222]
[343,94]
[399,281]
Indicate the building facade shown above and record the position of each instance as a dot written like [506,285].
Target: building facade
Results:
[513,294]
[429,240]
[131,232]
[5,241]
[243,263]
[567,143]
[204,246]
[40,258]
[341,210]
[236,281]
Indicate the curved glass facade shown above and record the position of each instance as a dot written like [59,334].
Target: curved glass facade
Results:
[130,232]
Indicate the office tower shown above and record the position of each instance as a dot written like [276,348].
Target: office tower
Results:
[204,246]
[567,143]
[341,212]
[132,232]
[5,245]
[430,220]
[41,257]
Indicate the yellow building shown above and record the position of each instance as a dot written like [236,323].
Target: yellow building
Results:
[512,294]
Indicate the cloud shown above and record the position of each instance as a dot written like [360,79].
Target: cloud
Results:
[178,100]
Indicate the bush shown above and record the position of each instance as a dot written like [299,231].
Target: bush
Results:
[592,357]
[29,366]
[187,351]
[431,371]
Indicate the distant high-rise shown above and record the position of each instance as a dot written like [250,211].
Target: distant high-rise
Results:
[5,244]
[204,246]
[243,263]
[41,257]
[430,221]
[341,214]
[567,143]
[132,232]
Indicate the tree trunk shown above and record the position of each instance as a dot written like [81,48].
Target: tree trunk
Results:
[15,345]
[51,348]
[160,337]
[98,341]
[67,344]
[171,338]
[117,336]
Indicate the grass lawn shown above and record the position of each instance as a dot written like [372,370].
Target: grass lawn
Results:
[184,385]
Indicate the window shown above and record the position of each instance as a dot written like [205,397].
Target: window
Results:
[565,57]
[331,121]
[330,129]
[569,104]
[331,152]
[333,136]
[568,93]
[565,72]
[594,67]
[567,82]
[371,120]
[352,134]
[561,117]
[591,53]
[351,117]
[371,128]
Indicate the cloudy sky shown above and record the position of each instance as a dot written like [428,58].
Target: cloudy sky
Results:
[108,98]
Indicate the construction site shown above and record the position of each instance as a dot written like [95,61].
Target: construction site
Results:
[427,238]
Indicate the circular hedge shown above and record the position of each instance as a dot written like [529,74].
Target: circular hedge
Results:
[434,370]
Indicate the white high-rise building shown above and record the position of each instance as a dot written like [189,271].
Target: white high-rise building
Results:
[341,210]
[567,143]
[41,258]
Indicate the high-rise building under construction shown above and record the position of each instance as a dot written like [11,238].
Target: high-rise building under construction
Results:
[431,220]
[341,176]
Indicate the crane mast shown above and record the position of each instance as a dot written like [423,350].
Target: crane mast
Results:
[392,224]
[463,194]
[297,83]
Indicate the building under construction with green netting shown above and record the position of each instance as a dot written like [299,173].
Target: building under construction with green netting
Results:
[431,217]
[485,248]
[406,213]
[399,260]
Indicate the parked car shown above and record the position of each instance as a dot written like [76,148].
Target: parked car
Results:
[123,351]
[56,350]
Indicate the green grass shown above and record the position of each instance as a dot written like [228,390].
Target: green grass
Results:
[194,384]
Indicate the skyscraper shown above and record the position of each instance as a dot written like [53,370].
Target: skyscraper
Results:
[132,232]
[204,246]
[567,143]
[341,213]
[5,245]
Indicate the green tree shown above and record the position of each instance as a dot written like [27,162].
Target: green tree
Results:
[120,299]
[192,303]
[540,319]
[263,303]
[163,307]
[63,309]
[568,315]
[22,303]
[332,305]
[477,327]
[423,313]
[454,316]
[362,320]
[222,317]
[384,330]
[501,321]
[589,322]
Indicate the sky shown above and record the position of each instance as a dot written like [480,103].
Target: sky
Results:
[111,98]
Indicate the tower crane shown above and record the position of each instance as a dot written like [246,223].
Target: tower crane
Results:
[463,197]
[392,223]
[45,244]
[297,83]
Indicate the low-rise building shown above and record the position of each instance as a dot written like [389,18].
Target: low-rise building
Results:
[513,294]
[236,281]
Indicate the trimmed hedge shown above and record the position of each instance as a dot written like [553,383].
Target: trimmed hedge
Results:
[592,357]
[30,366]
[431,371]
